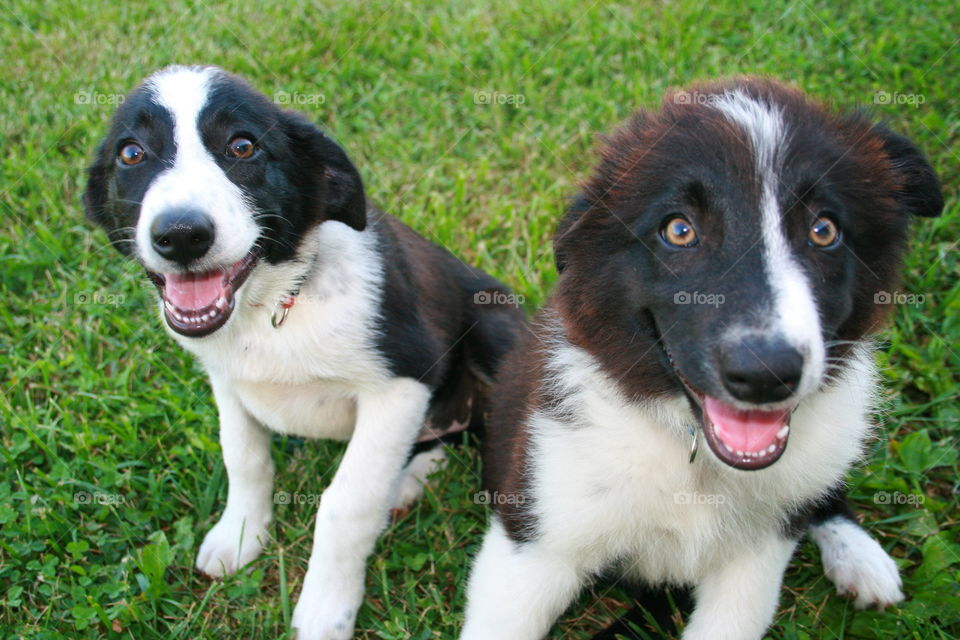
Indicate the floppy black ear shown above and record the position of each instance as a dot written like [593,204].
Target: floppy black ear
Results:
[95,195]
[96,201]
[563,238]
[919,191]
[335,184]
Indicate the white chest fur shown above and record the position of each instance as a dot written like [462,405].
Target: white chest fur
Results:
[302,377]
[616,484]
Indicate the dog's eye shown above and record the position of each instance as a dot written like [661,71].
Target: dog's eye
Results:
[824,233]
[130,154]
[241,148]
[678,232]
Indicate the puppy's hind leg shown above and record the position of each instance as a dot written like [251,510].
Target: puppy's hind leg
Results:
[415,475]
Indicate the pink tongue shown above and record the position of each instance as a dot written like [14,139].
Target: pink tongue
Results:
[740,430]
[193,291]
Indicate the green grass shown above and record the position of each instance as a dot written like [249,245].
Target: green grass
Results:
[97,401]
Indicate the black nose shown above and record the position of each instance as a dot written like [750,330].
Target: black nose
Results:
[182,235]
[758,370]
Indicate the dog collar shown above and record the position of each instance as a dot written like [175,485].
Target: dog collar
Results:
[282,309]
[693,444]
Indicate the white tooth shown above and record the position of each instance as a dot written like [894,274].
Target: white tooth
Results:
[783,432]
[771,448]
[727,447]
[740,453]
[168,305]
[221,303]
[178,316]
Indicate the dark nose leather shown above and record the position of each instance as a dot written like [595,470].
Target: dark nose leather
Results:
[760,370]
[182,235]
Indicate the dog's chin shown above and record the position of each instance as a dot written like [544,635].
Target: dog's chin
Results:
[195,303]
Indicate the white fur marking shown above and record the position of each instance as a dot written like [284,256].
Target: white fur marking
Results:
[195,180]
[241,533]
[738,599]
[857,564]
[355,507]
[517,591]
[795,309]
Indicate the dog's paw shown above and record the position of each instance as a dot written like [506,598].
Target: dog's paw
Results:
[415,475]
[231,544]
[857,564]
[328,617]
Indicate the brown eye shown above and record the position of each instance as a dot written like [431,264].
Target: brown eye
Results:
[679,232]
[824,233]
[241,148]
[130,154]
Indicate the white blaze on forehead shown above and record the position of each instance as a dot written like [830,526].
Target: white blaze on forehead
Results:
[795,313]
[195,180]
[183,92]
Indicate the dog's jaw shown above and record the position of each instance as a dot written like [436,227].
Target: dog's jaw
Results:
[195,304]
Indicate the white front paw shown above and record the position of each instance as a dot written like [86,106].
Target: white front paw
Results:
[232,543]
[328,617]
[870,576]
[858,565]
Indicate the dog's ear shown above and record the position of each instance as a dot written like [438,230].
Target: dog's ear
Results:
[96,201]
[564,237]
[334,184]
[95,195]
[919,189]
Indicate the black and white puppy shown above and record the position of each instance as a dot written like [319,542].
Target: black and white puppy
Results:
[313,313]
[717,288]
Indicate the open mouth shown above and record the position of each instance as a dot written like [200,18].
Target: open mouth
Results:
[745,439]
[196,304]
[748,439]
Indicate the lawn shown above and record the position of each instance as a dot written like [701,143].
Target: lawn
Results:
[472,121]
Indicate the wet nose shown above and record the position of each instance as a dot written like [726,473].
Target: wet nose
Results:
[182,235]
[760,370]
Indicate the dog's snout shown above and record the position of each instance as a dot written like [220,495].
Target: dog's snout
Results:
[759,370]
[182,235]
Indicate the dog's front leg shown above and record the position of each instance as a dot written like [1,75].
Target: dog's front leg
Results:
[241,532]
[738,599]
[355,508]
